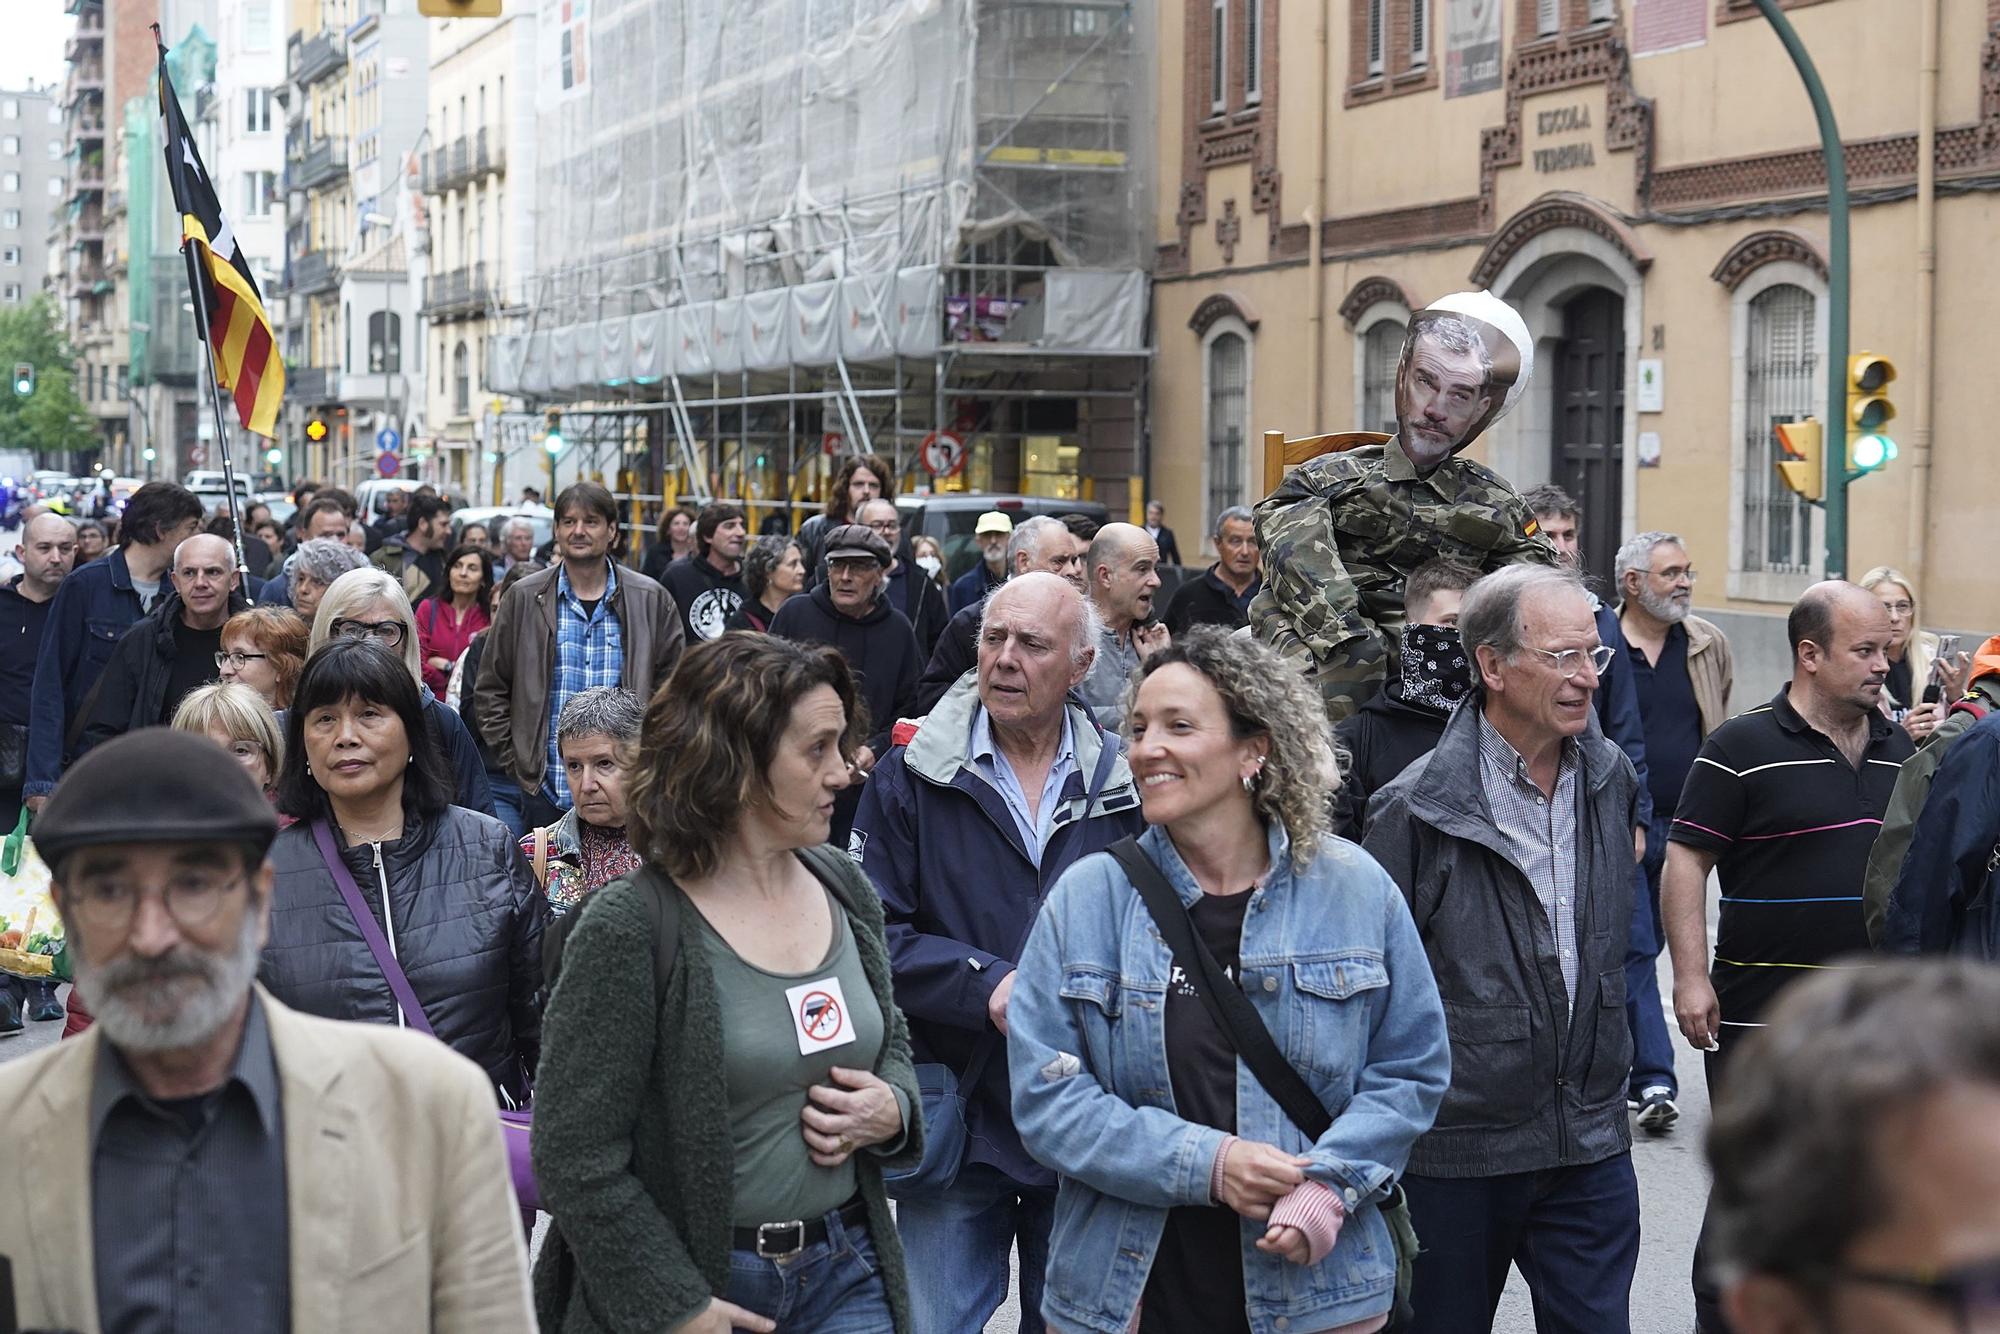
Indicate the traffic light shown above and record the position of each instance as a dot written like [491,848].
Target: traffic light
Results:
[315,430]
[1803,465]
[274,456]
[1869,410]
[554,442]
[24,379]
[459,9]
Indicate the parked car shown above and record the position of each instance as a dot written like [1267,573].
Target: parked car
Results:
[373,496]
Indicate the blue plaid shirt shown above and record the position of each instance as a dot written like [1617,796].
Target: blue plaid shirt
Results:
[590,652]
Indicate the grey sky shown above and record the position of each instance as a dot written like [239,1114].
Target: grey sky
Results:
[33,50]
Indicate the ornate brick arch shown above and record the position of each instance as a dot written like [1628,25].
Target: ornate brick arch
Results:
[1554,210]
[1221,305]
[1368,292]
[1756,250]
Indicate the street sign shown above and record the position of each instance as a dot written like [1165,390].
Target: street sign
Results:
[387,440]
[830,443]
[197,455]
[943,454]
[387,464]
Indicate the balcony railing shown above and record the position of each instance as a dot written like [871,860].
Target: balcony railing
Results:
[490,155]
[458,293]
[307,62]
[322,161]
[313,271]
[463,161]
[87,176]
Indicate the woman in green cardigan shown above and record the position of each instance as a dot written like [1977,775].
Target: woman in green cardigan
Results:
[711,1143]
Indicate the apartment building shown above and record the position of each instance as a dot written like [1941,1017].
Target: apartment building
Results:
[31,179]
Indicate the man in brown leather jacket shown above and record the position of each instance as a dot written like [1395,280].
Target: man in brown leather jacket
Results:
[585,621]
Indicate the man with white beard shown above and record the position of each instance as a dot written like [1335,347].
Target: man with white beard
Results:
[1680,669]
[205,1158]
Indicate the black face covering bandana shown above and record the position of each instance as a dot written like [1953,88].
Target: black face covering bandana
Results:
[1435,671]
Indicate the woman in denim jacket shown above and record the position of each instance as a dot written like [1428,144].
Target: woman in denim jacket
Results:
[1173,1157]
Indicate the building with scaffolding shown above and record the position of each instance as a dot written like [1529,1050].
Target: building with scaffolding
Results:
[770,234]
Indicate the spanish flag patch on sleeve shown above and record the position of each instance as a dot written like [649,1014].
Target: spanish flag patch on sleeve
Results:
[1532,528]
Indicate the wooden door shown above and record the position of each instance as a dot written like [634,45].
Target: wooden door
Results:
[1589,445]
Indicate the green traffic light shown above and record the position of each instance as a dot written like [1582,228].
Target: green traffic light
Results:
[554,443]
[149,454]
[1872,451]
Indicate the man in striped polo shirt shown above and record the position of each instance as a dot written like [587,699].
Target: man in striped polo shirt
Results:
[1783,803]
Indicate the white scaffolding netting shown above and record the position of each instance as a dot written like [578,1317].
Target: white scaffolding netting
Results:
[730,186]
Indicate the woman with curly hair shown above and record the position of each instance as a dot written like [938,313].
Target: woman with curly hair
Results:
[1231,751]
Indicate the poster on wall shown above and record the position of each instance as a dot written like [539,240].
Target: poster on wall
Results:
[1471,47]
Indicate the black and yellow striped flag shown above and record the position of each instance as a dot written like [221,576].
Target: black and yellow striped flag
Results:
[241,339]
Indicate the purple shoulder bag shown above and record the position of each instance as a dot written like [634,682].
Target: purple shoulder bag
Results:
[514,1125]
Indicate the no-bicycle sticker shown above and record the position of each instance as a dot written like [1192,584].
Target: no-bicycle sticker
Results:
[819,1016]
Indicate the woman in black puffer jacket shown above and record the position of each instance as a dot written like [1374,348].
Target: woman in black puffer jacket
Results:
[446,886]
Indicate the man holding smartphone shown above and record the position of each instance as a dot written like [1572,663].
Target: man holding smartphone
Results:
[1782,802]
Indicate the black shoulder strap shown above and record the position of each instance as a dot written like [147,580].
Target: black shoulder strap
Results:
[1226,1003]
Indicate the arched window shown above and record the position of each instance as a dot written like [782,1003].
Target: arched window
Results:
[461,379]
[385,342]
[1228,378]
[1782,352]
[1381,349]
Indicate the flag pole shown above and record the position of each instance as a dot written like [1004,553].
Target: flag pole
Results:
[200,293]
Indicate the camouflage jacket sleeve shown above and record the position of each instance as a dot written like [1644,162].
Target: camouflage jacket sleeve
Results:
[1524,543]
[1308,597]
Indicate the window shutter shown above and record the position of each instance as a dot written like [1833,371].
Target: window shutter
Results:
[1420,32]
[1548,16]
[1376,24]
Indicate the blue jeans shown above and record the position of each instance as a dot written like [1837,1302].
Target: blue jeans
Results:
[955,1250]
[1652,1045]
[832,1288]
[1573,1232]
[507,802]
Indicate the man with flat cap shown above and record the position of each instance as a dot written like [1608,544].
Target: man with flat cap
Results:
[204,1158]
[1342,532]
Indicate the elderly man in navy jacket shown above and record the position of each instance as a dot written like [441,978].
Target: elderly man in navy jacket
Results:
[965,824]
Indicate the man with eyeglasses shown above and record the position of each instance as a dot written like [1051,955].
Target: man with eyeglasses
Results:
[1782,803]
[173,649]
[1512,842]
[707,583]
[205,1158]
[1681,674]
[1857,1171]
[905,587]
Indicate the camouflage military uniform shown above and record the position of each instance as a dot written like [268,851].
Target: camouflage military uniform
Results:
[1341,535]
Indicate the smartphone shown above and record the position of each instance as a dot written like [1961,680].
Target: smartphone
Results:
[1947,652]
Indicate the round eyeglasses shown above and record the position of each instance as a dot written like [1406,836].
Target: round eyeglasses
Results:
[1569,662]
[386,633]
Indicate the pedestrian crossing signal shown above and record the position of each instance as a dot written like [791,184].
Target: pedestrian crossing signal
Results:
[1802,458]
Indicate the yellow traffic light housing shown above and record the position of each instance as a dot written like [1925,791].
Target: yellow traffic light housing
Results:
[1803,462]
[1869,444]
[459,9]
[315,430]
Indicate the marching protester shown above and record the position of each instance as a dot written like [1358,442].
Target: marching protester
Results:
[861,478]
[990,534]
[1400,725]
[446,623]
[233,1117]
[1512,841]
[461,695]
[312,570]
[264,649]
[675,541]
[1163,536]
[1235,884]
[326,518]
[1914,660]
[1224,591]
[750,1198]
[91,541]
[905,587]
[377,834]
[238,719]
[1854,1155]
[413,555]
[369,604]
[589,620]
[928,553]
[1121,571]
[1782,804]
[773,569]
[173,650]
[91,608]
[517,545]
[963,827]
[47,553]
[598,735]
[848,611]
[1039,543]
[707,583]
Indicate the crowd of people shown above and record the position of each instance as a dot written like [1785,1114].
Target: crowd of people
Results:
[1244,960]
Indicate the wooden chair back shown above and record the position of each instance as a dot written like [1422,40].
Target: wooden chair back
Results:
[1281,454]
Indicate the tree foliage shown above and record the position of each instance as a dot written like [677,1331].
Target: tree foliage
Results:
[53,417]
